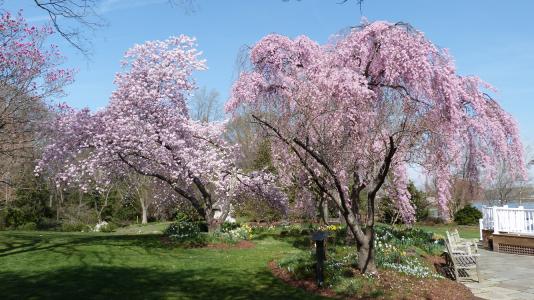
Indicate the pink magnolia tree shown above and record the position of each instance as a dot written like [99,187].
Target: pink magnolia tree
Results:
[378,100]
[146,128]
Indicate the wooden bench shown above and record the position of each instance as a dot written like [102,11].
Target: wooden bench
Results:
[459,244]
[461,257]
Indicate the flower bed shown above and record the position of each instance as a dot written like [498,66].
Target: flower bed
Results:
[400,253]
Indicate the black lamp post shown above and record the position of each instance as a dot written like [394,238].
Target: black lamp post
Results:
[319,237]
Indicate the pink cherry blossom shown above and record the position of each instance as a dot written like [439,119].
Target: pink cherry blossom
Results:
[377,101]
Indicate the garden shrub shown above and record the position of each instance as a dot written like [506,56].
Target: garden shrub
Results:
[111,227]
[468,215]
[410,238]
[228,226]
[2,221]
[182,230]
[292,230]
[244,232]
[257,230]
[185,230]
[30,226]
[13,217]
[74,227]
[337,234]
[339,271]
[48,224]
[105,227]
[125,213]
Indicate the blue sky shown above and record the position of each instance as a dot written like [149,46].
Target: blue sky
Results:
[491,39]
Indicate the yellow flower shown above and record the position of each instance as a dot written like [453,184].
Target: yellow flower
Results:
[332,228]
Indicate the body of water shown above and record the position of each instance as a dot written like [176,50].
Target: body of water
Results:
[511,204]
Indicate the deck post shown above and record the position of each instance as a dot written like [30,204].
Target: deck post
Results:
[481,226]
[495,220]
[520,219]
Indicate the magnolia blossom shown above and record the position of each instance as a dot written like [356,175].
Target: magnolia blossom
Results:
[146,128]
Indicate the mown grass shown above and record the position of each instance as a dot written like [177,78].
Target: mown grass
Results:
[55,265]
[133,263]
[467,232]
[150,228]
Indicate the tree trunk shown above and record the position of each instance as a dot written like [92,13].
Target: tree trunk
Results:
[80,199]
[144,209]
[366,253]
[98,212]
[323,211]
[212,222]
[59,203]
[395,219]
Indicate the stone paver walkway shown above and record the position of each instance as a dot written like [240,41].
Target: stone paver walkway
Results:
[504,276]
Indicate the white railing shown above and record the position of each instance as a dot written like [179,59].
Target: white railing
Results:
[510,220]
[487,217]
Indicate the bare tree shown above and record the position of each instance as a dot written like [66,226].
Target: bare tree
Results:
[142,186]
[151,196]
[506,187]
[20,115]
[525,187]
[463,192]
[205,105]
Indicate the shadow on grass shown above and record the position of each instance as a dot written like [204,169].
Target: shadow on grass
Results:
[17,243]
[146,283]
[300,241]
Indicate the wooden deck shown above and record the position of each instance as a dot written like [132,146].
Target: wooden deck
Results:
[508,230]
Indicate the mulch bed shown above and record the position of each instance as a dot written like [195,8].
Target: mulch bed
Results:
[397,286]
[307,284]
[418,288]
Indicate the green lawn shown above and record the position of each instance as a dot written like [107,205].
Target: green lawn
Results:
[150,228]
[40,265]
[467,232]
[132,263]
